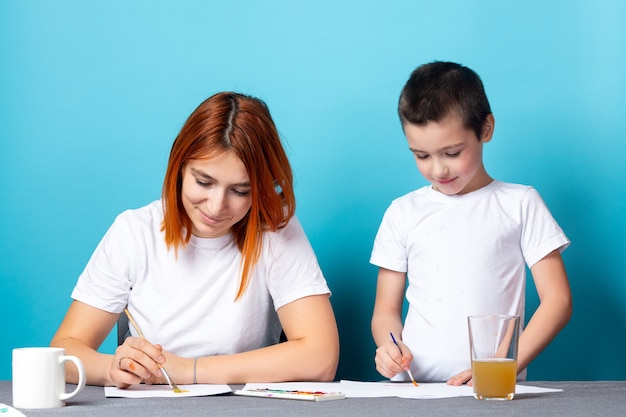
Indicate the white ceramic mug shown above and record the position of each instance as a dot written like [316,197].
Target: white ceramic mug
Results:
[39,377]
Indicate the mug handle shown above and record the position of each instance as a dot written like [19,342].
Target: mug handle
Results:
[81,376]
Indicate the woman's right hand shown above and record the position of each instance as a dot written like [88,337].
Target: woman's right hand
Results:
[136,361]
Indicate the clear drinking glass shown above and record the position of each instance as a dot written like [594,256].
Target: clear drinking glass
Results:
[493,346]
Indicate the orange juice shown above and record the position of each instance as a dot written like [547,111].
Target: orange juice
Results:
[494,378]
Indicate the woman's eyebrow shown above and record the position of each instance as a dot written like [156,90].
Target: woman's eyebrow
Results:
[208,177]
[202,174]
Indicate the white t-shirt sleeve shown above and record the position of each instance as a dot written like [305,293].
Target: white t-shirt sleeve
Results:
[292,268]
[541,234]
[105,282]
[389,249]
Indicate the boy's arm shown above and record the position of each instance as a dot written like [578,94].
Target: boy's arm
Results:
[554,311]
[387,318]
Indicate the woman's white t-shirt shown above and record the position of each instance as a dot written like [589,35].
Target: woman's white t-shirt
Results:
[187,303]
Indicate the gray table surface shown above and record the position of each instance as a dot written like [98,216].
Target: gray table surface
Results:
[578,399]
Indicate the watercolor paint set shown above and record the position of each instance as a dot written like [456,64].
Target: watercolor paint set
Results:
[291,394]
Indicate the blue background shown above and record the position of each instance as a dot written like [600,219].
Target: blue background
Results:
[92,95]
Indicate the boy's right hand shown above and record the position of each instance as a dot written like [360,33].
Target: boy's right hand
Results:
[390,361]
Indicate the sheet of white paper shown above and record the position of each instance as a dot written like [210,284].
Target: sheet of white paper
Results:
[352,389]
[529,389]
[355,389]
[144,391]
[8,411]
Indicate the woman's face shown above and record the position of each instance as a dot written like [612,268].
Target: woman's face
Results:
[215,194]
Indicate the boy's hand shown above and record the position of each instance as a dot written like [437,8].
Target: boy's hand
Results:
[390,362]
[461,378]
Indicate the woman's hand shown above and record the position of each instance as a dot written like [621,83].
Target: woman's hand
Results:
[136,361]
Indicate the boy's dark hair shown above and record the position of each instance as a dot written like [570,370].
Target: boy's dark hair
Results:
[437,89]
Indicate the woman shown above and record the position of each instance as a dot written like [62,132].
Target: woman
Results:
[211,272]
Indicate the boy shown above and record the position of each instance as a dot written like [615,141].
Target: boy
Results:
[462,242]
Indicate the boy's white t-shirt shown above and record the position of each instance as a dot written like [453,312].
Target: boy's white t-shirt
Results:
[187,304]
[463,255]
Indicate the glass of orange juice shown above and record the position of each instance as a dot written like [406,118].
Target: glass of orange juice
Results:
[493,347]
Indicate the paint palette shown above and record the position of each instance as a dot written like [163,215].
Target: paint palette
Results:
[291,394]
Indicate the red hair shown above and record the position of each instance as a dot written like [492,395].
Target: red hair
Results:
[241,124]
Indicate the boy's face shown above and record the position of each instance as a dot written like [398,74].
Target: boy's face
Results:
[449,155]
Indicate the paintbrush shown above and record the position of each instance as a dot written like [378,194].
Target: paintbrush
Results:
[408,371]
[171,383]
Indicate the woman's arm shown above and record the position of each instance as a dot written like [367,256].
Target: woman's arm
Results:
[387,318]
[311,352]
[81,333]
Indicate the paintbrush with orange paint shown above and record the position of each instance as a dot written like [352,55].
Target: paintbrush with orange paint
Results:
[408,371]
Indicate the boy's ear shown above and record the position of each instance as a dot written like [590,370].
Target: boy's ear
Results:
[488,126]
